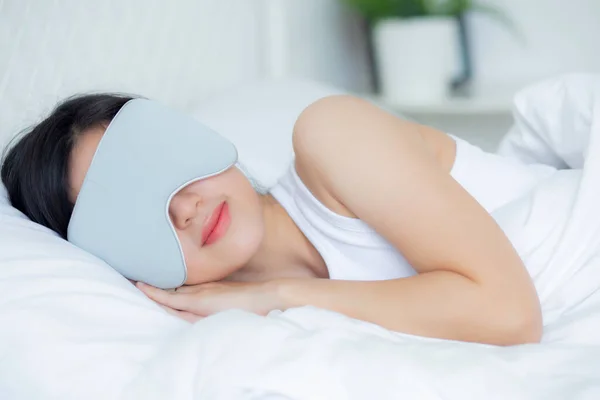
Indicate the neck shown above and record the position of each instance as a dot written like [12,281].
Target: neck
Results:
[285,252]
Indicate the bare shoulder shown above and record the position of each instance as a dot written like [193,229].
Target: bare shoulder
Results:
[326,138]
[313,144]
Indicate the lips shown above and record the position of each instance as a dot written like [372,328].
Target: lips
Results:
[216,225]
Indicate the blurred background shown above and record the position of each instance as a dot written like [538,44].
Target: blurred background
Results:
[454,64]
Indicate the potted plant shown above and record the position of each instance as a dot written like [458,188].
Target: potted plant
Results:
[419,46]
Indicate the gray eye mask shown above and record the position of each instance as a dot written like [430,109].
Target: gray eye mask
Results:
[147,154]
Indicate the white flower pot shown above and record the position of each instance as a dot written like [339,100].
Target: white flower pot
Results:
[416,58]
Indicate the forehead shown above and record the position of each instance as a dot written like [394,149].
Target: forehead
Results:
[81,158]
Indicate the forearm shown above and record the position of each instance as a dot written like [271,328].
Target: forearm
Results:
[437,304]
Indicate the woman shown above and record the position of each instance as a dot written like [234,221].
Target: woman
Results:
[379,218]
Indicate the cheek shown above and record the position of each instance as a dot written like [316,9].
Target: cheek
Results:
[243,238]
[219,260]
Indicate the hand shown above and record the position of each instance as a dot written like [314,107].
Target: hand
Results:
[195,302]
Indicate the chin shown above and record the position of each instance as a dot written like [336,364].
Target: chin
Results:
[226,257]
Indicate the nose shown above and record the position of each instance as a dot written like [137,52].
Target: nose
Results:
[183,209]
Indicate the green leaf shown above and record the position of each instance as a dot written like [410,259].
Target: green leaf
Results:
[447,7]
[379,9]
[375,10]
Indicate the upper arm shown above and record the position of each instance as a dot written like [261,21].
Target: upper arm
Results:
[384,170]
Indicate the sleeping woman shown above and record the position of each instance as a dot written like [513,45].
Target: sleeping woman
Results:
[378,218]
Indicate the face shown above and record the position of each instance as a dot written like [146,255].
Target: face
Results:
[218,220]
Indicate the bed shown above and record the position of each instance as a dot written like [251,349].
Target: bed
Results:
[72,328]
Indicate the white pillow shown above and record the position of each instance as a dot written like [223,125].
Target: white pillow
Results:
[3,197]
[73,328]
[259,119]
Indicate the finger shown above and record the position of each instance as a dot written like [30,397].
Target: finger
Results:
[199,287]
[178,301]
[186,315]
[188,289]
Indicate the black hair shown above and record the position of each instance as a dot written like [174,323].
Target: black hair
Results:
[35,169]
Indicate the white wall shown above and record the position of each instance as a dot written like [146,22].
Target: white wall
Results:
[559,36]
[177,52]
[319,40]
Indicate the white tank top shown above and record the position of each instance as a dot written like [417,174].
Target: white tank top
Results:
[352,250]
